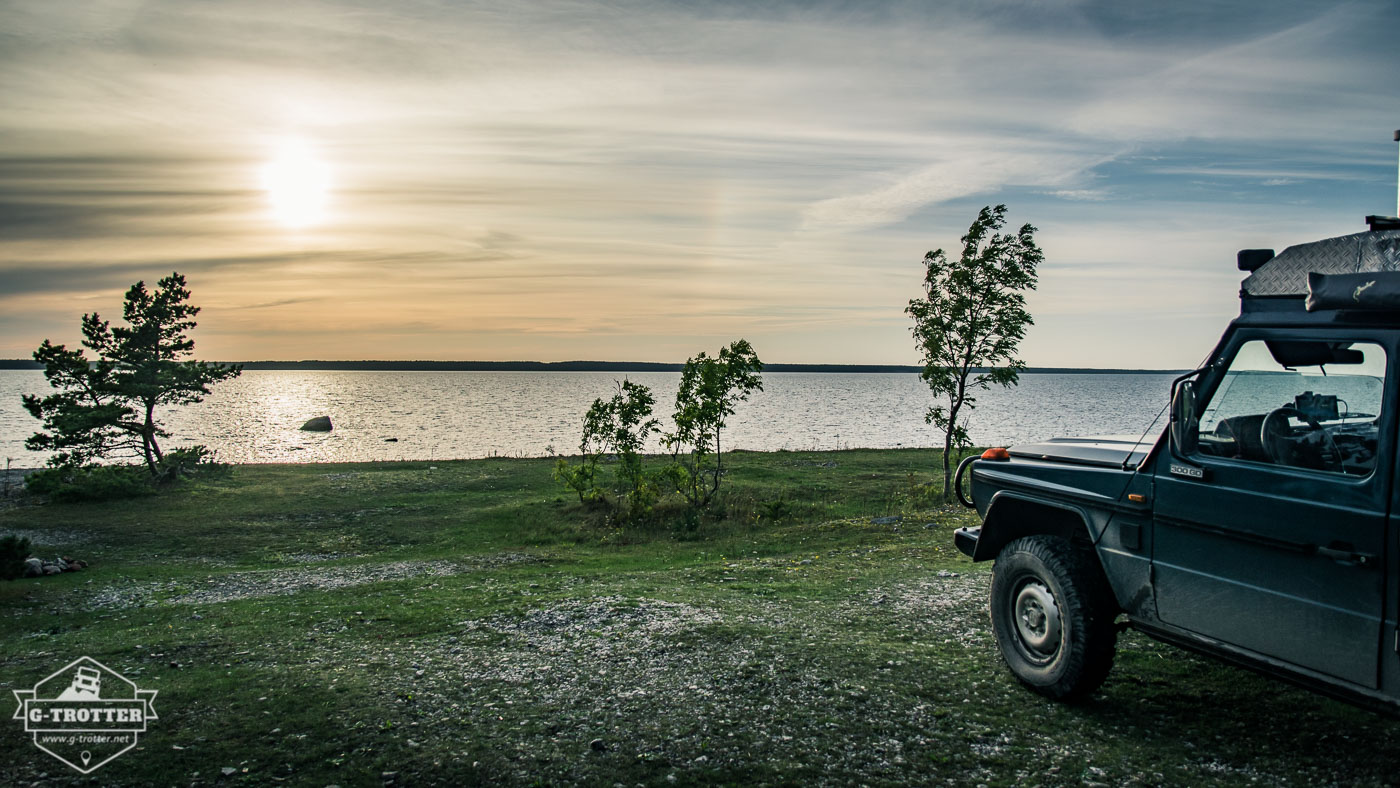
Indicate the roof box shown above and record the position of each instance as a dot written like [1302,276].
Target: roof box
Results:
[1360,253]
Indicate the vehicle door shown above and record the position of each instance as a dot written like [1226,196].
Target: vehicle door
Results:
[1270,525]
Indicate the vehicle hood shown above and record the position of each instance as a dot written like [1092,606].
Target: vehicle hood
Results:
[1100,450]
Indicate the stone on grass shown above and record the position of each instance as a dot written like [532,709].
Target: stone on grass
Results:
[33,567]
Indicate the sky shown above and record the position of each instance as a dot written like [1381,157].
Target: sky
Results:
[640,181]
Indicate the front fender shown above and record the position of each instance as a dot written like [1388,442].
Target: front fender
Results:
[1012,515]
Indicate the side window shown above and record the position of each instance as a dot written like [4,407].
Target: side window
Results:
[1302,404]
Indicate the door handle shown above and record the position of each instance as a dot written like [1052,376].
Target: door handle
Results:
[1345,555]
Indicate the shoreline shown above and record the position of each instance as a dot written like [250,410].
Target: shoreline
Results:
[18,474]
[601,366]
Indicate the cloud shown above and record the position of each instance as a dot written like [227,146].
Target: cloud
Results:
[273,304]
[90,276]
[966,175]
[1081,195]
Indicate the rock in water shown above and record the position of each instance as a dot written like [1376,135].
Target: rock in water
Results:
[318,424]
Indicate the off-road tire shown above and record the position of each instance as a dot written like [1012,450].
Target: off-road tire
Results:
[1062,645]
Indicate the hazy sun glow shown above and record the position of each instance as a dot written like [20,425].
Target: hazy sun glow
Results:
[297,184]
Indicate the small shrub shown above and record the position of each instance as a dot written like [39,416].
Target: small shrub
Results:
[776,510]
[580,478]
[710,389]
[13,550]
[689,522]
[67,483]
[618,426]
[185,462]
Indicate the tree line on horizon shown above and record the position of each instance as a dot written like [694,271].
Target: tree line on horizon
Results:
[370,365]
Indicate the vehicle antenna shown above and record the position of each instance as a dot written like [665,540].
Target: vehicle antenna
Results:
[1128,459]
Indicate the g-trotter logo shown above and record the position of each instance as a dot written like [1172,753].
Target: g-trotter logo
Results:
[85,714]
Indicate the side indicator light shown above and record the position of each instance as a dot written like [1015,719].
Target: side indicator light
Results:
[1137,498]
[996,454]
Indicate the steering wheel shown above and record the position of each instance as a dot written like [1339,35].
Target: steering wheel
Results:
[1274,433]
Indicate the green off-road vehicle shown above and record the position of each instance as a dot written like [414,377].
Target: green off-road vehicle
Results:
[1263,525]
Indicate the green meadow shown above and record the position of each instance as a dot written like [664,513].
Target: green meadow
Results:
[469,622]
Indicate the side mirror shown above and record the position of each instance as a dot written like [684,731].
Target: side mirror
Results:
[1183,422]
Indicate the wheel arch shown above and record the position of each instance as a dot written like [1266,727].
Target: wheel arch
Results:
[1011,516]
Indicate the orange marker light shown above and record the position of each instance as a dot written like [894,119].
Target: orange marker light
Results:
[1137,498]
[996,454]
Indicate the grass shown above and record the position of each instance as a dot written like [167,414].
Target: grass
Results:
[460,623]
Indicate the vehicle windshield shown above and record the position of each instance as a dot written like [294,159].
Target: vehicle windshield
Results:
[1323,416]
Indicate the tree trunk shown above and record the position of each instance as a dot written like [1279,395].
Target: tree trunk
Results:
[947,471]
[148,440]
[719,468]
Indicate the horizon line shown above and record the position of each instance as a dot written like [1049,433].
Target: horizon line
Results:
[424,365]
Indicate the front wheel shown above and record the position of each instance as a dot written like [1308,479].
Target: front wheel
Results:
[1053,615]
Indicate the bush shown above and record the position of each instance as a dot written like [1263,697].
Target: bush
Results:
[67,483]
[13,551]
[617,426]
[580,478]
[710,389]
[186,462]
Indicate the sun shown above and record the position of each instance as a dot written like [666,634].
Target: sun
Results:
[297,184]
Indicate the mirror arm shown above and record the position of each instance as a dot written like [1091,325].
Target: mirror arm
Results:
[1174,427]
[1193,373]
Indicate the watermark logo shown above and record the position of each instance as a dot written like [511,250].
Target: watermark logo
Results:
[85,714]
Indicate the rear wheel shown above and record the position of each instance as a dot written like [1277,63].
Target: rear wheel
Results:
[1052,613]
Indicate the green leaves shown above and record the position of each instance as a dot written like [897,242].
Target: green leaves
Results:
[971,320]
[107,407]
[709,390]
[618,426]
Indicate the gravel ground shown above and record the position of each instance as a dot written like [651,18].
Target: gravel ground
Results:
[722,688]
[50,537]
[571,689]
[280,582]
[759,690]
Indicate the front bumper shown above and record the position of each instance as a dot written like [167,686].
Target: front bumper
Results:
[966,539]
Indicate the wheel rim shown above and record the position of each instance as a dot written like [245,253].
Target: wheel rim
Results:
[1037,621]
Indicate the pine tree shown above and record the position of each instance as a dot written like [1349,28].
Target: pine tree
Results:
[107,407]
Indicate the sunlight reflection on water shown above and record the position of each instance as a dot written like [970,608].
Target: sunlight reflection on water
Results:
[441,415]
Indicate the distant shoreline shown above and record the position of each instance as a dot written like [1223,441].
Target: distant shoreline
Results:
[600,366]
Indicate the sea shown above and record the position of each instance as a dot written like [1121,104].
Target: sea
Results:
[438,415]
